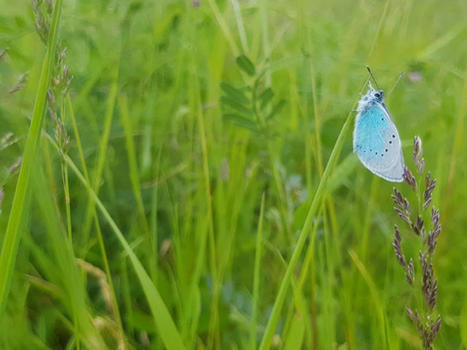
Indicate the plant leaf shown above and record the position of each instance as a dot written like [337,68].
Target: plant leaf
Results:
[234,93]
[265,97]
[241,121]
[246,65]
[276,109]
[235,105]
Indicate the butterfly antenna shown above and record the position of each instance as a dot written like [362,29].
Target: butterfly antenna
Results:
[372,76]
[397,82]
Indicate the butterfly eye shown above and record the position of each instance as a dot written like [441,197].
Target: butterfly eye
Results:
[377,95]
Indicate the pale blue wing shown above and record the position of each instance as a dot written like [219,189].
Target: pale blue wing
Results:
[377,143]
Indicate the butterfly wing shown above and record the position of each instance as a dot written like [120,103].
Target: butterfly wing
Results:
[377,143]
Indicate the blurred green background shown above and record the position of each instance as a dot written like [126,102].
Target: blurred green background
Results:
[182,171]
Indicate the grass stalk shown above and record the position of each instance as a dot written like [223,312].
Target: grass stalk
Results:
[102,156]
[224,27]
[240,26]
[315,204]
[66,184]
[257,275]
[132,163]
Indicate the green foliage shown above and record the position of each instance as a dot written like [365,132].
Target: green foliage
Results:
[13,232]
[246,65]
[193,186]
[251,105]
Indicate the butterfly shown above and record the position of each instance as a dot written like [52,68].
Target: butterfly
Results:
[376,140]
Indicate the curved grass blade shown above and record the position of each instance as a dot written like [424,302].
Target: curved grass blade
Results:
[164,323]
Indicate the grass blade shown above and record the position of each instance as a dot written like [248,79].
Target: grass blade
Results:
[13,232]
[296,334]
[103,147]
[257,275]
[132,162]
[374,295]
[162,318]
[315,204]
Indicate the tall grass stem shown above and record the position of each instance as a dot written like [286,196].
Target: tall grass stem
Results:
[315,204]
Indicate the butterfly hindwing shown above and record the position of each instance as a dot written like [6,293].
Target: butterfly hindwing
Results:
[377,142]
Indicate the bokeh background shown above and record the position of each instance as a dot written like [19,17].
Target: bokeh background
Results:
[182,168]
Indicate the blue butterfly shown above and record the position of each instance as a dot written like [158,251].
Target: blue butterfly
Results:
[375,138]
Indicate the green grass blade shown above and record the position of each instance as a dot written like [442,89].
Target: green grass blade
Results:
[100,239]
[60,253]
[315,204]
[132,163]
[374,295]
[294,339]
[13,232]
[103,147]
[162,318]
[257,275]
[463,324]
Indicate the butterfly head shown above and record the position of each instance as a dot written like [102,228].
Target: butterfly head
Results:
[371,97]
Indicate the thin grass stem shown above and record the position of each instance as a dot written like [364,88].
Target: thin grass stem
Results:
[257,275]
[315,204]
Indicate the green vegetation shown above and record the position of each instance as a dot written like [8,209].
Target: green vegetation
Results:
[180,175]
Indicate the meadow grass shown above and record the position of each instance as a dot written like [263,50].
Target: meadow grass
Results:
[195,186]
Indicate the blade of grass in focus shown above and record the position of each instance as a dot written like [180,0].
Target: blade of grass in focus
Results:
[13,232]
[315,204]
